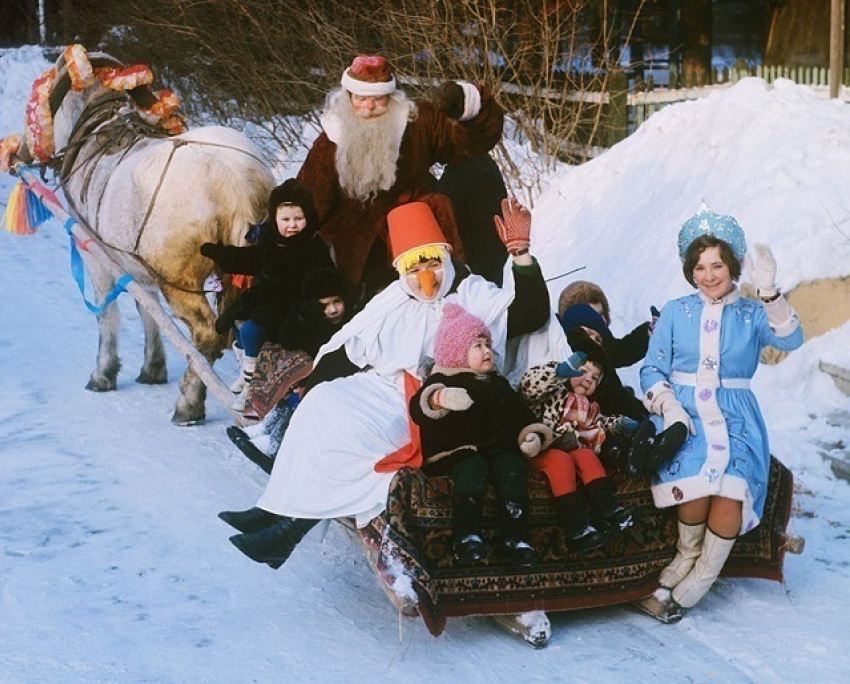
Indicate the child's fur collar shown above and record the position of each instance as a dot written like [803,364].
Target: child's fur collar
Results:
[443,370]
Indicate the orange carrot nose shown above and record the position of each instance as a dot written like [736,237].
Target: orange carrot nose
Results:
[427,282]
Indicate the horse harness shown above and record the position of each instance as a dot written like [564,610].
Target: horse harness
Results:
[116,127]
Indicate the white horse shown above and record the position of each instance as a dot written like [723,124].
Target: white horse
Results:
[153,200]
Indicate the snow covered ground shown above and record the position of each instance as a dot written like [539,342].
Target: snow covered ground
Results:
[114,567]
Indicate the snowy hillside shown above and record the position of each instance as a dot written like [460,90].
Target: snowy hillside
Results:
[114,567]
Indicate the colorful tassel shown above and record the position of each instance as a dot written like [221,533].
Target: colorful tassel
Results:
[37,213]
[15,216]
[24,211]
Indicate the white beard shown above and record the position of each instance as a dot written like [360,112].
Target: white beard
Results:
[366,149]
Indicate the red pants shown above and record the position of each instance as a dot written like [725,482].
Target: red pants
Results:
[560,468]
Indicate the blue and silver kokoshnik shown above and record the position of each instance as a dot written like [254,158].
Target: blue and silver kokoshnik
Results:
[708,222]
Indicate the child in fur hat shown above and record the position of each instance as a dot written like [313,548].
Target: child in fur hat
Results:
[289,246]
[582,325]
[622,352]
[474,426]
[560,395]
[326,303]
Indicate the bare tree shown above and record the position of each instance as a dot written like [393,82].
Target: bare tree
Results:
[19,24]
[272,63]
[696,28]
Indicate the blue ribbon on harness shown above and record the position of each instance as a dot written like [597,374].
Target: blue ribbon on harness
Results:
[78,272]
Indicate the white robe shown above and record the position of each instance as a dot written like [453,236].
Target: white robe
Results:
[325,465]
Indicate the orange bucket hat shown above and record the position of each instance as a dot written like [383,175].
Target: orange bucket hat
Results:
[414,234]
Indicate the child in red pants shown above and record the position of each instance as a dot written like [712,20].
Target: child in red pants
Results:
[562,401]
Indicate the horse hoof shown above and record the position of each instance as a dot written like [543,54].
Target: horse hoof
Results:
[102,385]
[183,420]
[147,378]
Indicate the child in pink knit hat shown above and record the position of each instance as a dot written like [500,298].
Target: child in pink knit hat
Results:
[474,426]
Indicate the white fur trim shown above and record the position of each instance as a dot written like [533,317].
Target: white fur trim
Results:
[781,316]
[736,488]
[471,101]
[425,402]
[366,88]
[541,430]
[657,395]
[705,394]
[675,492]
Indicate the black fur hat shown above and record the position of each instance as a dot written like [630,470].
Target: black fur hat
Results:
[325,282]
[293,191]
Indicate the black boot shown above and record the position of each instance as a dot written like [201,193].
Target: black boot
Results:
[279,422]
[469,549]
[667,445]
[468,545]
[241,439]
[606,511]
[614,450]
[274,544]
[515,548]
[579,534]
[252,520]
[640,445]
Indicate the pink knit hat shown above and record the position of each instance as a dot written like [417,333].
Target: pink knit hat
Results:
[457,331]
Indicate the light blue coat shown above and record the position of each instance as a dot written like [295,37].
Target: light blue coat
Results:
[707,350]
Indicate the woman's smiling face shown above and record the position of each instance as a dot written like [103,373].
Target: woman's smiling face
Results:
[711,274]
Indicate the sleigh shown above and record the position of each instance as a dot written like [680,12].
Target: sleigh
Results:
[409,545]
[409,548]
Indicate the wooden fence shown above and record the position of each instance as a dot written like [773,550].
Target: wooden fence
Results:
[633,108]
[625,105]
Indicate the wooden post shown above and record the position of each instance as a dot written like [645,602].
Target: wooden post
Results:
[617,116]
[675,46]
[836,46]
[149,301]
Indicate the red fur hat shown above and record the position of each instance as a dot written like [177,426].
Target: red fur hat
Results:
[457,331]
[369,76]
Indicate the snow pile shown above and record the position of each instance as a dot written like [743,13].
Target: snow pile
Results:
[774,157]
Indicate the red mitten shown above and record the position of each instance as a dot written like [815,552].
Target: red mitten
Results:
[514,227]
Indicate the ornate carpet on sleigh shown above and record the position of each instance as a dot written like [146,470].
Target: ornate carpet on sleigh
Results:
[415,534]
[278,371]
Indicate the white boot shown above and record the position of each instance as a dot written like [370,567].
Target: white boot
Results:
[661,606]
[695,585]
[237,385]
[249,363]
[688,549]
